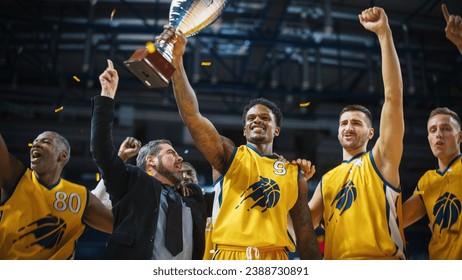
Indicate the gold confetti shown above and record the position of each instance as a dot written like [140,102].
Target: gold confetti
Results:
[305,104]
[29,144]
[76,78]
[59,109]
[150,46]
[97,177]
[113,13]
[419,192]
[206,63]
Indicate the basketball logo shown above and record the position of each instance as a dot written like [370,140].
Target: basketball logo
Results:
[344,198]
[446,211]
[264,193]
[45,232]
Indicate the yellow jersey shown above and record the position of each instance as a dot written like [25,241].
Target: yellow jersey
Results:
[252,201]
[39,222]
[361,212]
[441,193]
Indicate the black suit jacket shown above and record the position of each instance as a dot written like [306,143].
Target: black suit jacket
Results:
[135,195]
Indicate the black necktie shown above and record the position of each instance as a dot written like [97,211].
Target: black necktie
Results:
[174,229]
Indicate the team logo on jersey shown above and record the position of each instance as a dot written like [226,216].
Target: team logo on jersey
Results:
[265,193]
[46,232]
[447,210]
[344,198]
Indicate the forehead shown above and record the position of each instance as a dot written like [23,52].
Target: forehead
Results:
[259,109]
[353,115]
[186,168]
[166,147]
[442,119]
[46,135]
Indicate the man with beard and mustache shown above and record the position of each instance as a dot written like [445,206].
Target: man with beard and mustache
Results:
[359,201]
[144,197]
[255,191]
[41,214]
[438,193]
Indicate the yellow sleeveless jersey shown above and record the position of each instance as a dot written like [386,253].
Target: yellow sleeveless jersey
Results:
[441,193]
[361,212]
[252,201]
[37,222]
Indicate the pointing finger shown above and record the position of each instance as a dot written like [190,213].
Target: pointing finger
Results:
[445,12]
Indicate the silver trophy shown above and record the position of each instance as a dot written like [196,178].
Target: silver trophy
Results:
[154,66]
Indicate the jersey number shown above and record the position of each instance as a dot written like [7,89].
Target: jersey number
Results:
[72,202]
[279,168]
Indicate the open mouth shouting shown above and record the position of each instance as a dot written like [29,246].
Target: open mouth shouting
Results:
[35,156]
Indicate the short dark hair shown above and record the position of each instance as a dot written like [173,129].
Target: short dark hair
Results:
[151,148]
[445,111]
[265,102]
[359,108]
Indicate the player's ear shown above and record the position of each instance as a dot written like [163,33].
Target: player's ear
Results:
[63,157]
[277,130]
[370,134]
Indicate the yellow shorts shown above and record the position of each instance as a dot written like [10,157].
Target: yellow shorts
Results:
[225,252]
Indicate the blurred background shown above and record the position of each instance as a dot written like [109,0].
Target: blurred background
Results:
[289,51]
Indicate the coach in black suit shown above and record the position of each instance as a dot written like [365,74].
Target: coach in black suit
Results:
[144,196]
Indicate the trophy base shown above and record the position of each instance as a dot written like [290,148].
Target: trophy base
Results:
[153,69]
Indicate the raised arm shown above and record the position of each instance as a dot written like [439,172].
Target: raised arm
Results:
[104,154]
[215,148]
[453,28]
[10,167]
[300,214]
[129,148]
[389,146]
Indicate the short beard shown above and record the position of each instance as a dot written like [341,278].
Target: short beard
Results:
[353,145]
[173,177]
[257,139]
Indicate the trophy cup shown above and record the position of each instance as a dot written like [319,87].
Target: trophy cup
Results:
[153,66]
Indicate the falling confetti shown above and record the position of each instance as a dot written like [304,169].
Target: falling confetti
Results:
[59,109]
[113,13]
[76,78]
[29,144]
[305,104]
[206,63]
[150,46]
[97,177]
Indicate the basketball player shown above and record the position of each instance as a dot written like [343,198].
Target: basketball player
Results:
[359,200]
[41,214]
[254,191]
[438,193]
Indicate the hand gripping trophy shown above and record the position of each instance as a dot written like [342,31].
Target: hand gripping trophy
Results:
[153,67]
